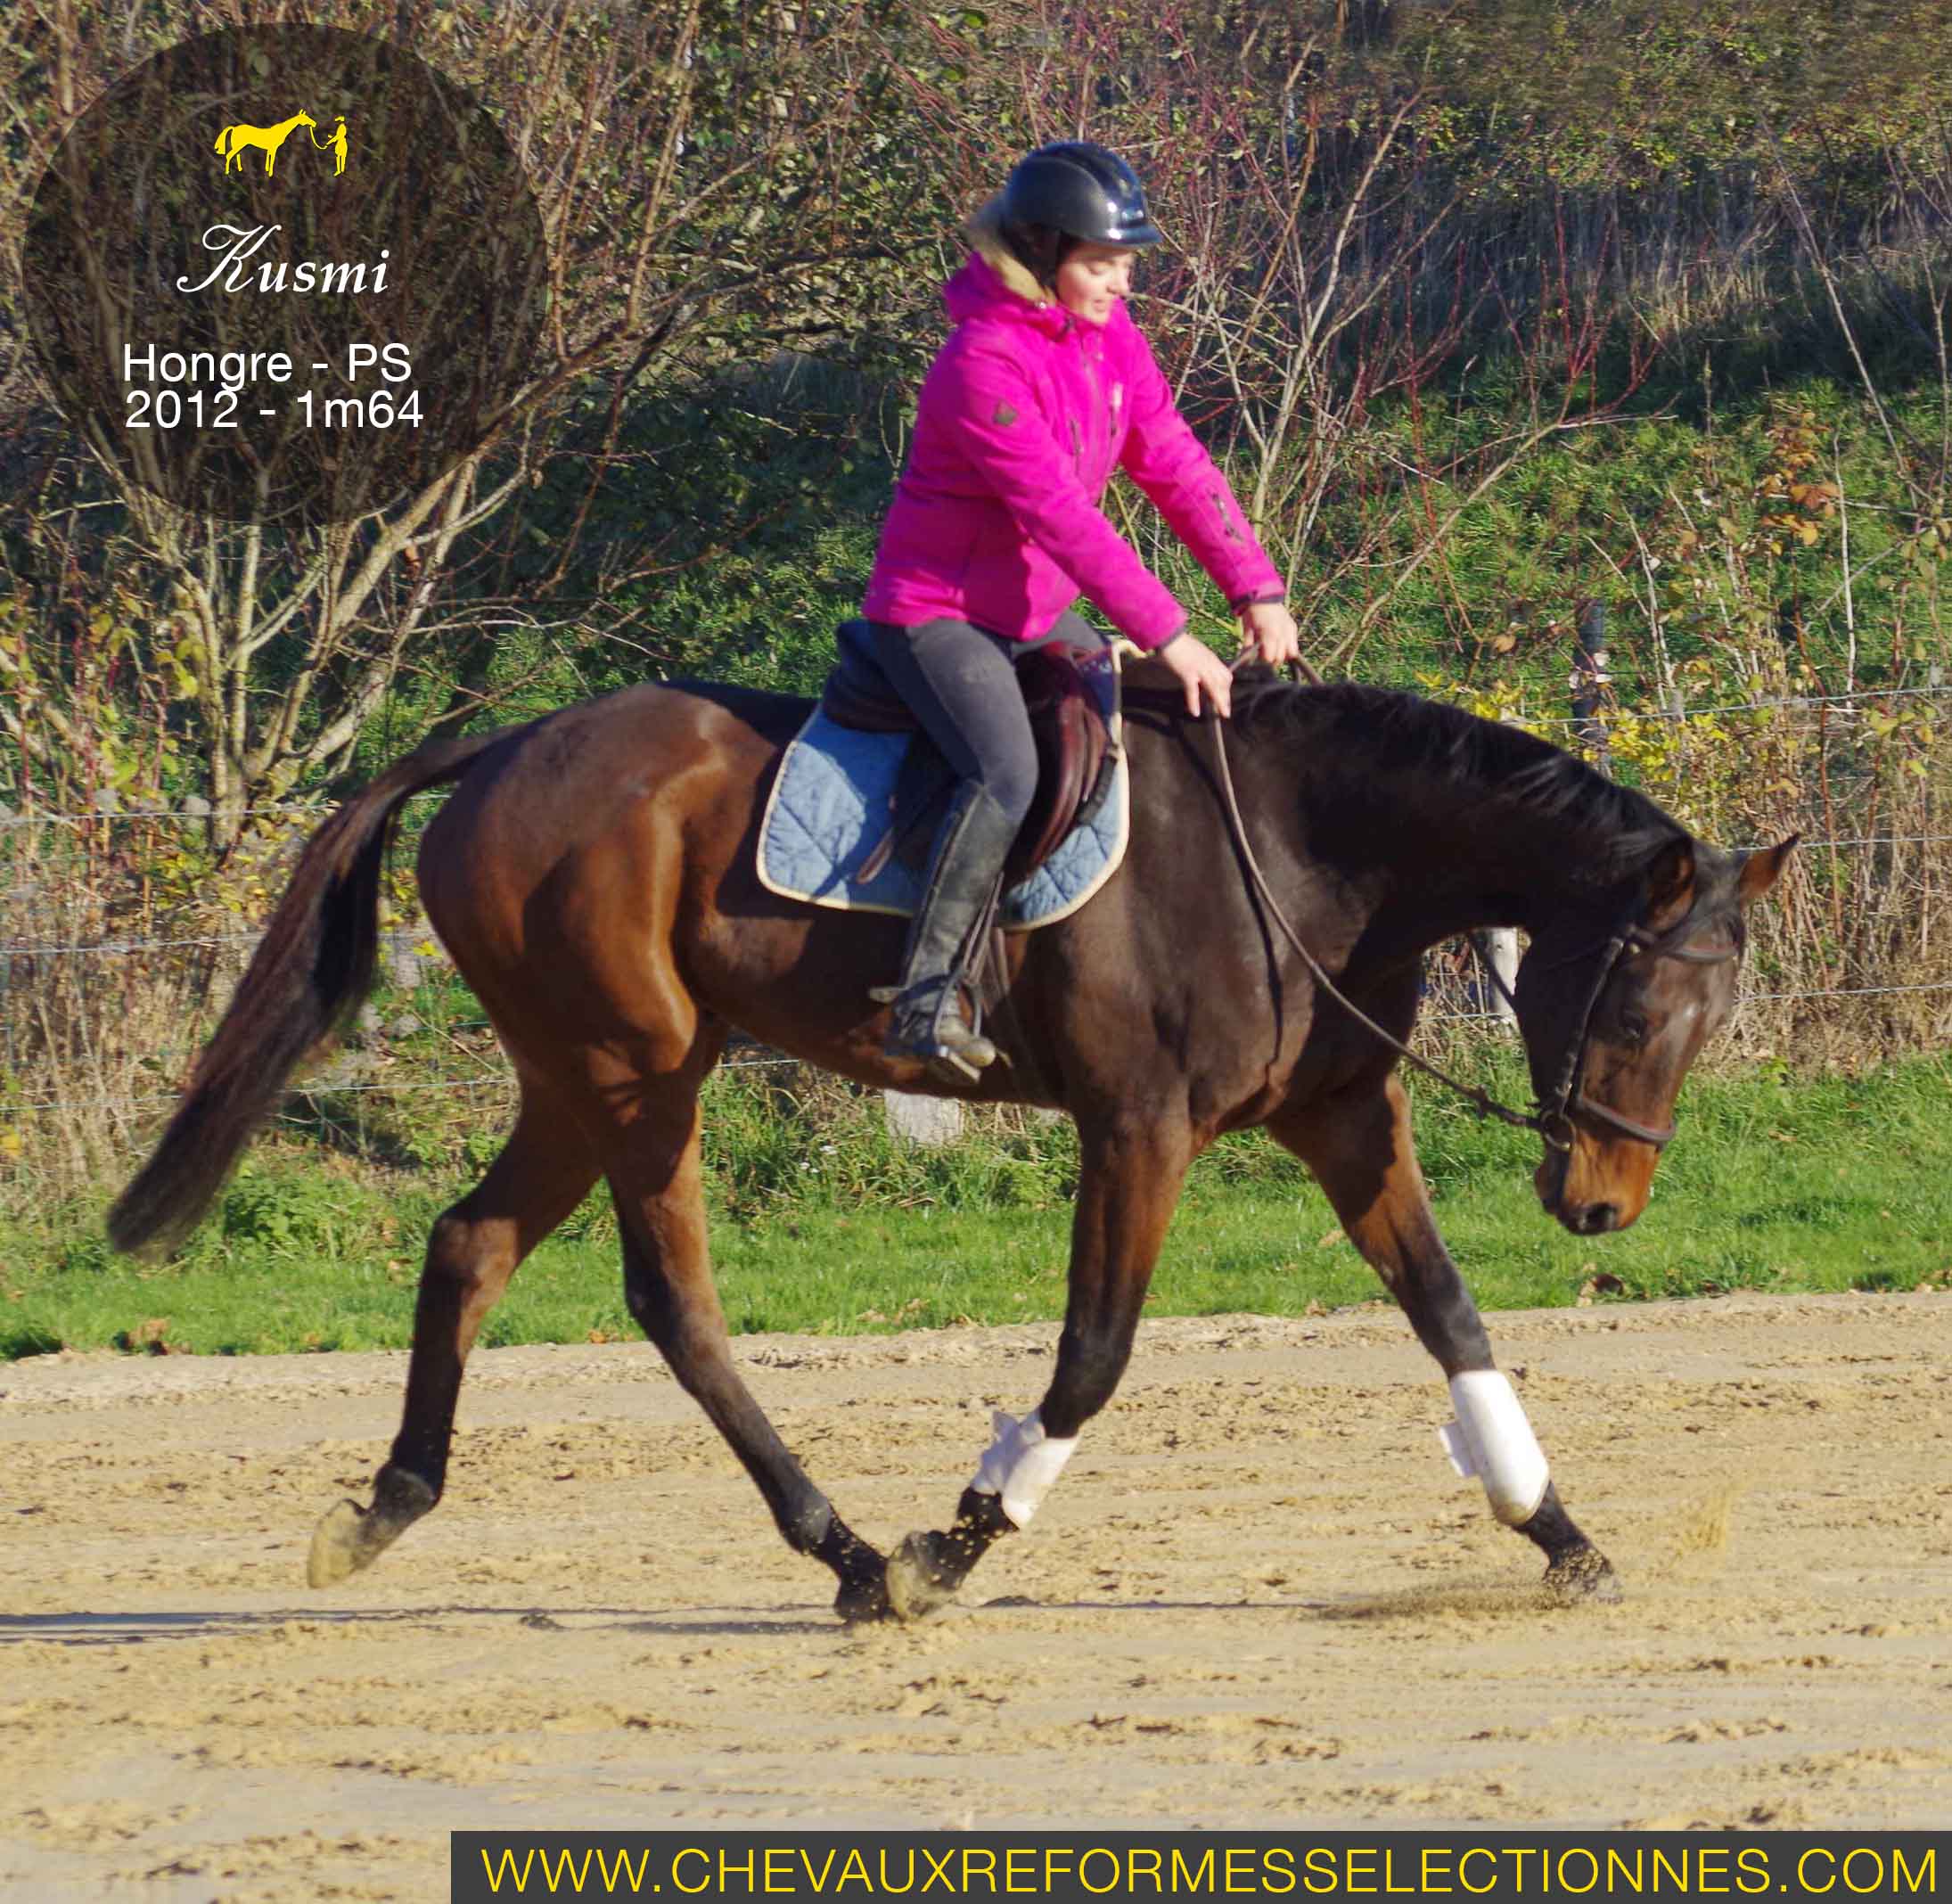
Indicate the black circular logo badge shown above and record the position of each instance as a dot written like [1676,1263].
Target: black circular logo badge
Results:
[285,273]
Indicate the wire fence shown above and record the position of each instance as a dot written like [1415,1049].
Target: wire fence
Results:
[195,810]
[120,938]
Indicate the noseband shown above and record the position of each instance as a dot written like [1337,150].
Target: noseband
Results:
[1553,1119]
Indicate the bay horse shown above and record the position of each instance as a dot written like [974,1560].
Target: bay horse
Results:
[591,875]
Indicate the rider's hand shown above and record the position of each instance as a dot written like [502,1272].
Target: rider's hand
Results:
[1268,626]
[1198,668]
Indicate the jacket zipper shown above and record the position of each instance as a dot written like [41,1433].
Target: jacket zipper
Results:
[1091,380]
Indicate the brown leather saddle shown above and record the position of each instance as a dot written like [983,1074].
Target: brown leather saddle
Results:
[1071,693]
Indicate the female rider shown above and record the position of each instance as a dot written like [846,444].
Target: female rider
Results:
[1043,386]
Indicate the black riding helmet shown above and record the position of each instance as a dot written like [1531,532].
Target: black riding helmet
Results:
[1073,192]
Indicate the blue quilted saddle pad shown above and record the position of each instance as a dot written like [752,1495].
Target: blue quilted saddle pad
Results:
[825,838]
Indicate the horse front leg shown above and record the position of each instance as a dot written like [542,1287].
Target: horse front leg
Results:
[1128,1184]
[1359,1148]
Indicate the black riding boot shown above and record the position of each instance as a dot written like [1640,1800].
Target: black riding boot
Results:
[928,1021]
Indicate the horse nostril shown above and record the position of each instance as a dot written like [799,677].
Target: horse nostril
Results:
[1597,1219]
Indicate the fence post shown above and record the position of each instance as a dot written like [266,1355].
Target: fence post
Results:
[929,1122]
[1589,682]
[399,959]
[1501,944]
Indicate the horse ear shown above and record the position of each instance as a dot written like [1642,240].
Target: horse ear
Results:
[1670,885]
[1760,871]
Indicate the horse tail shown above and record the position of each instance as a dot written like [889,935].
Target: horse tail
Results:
[310,970]
[220,139]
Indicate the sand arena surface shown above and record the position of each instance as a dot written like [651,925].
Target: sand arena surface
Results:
[1258,1597]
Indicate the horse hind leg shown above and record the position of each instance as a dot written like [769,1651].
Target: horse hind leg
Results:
[656,1180]
[544,1171]
[1360,1151]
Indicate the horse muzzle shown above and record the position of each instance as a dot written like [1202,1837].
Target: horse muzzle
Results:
[1585,1200]
[1592,1219]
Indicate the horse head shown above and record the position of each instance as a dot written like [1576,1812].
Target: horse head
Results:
[1614,1008]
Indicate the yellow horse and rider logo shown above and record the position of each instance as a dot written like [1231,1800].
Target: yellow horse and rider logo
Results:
[233,141]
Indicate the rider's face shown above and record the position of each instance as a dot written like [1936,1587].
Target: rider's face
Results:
[1092,279]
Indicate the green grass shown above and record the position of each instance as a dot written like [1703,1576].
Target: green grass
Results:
[821,1224]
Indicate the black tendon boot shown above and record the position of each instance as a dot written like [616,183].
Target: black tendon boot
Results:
[929,1020]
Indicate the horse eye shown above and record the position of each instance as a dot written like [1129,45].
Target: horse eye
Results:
[1634,1028]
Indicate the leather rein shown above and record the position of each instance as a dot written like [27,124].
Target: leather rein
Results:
[1553,1117]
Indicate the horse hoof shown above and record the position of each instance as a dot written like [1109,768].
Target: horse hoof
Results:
[1583,1574]
[863,1599]
[337,1551]
[917,1585]
[351,1537]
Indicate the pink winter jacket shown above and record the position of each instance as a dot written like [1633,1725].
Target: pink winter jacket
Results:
[1021,420]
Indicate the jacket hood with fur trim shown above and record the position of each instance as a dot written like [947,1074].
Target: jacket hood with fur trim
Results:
[995,282]
[984,231]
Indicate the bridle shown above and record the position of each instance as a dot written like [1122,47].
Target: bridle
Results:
[1553,1117]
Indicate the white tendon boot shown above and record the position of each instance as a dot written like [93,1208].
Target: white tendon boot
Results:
[1021,1464]
[1492,1440]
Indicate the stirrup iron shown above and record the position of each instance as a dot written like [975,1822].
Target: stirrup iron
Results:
[929,1023]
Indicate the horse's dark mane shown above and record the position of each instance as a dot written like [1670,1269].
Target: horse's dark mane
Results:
[1403,738]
